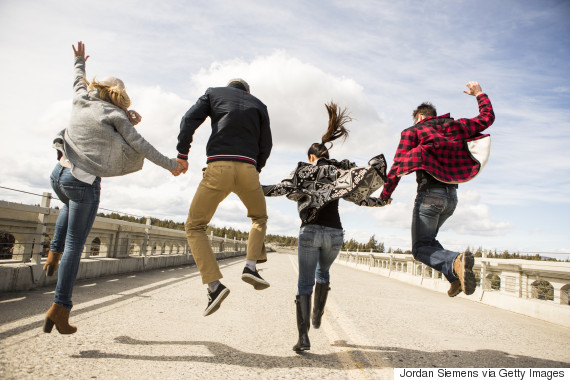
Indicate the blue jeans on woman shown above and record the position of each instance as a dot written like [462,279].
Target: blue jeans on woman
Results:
[431,209]
[318,248]
[76,217]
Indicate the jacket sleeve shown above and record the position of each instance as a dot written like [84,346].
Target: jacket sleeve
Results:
[193,118]
[285,187]
[138,143]
[391,183]
[79,84]
[486,117]
[282,188]
[265,141]
[407,142]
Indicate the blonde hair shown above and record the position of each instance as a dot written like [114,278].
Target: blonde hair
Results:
[111,91]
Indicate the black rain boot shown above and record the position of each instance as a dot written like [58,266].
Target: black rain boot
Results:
[321,293]
[303,302]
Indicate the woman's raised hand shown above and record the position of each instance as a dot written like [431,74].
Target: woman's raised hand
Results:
[80,51]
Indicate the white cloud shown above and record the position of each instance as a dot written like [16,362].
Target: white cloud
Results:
[474,218]
[295,93]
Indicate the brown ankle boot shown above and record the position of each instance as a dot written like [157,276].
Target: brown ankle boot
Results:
[454,289]
[59,316]
[52,262]
[463,268]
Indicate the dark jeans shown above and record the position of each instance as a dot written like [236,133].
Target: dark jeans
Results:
[431,209]
[76,217]
[318,248]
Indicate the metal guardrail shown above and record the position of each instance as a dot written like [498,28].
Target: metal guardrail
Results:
[526,279]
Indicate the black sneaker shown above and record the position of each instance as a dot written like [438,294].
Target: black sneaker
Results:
[253,278]
[215,299]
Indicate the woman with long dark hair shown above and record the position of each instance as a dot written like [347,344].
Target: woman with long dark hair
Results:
[317,187]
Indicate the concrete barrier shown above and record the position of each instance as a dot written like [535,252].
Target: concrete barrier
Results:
[113,246]
[26,276]
[519,299]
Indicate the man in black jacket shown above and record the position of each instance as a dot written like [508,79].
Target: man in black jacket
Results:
[237,150]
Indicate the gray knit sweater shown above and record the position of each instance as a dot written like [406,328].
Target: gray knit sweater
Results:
[100,138]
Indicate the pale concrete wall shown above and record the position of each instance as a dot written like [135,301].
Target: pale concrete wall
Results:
[26,276]
[31,225]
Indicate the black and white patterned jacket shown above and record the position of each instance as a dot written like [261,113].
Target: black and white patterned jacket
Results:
[313,186]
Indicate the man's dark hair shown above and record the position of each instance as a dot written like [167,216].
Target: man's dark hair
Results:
[426,108]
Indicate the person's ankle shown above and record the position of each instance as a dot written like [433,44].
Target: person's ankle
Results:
[212,286]
[251,264]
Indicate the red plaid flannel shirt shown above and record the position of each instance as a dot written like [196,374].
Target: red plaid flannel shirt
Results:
[440,149]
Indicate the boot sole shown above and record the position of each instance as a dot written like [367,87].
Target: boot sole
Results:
[469,283]
[255,282]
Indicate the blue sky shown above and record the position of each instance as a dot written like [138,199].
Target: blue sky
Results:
[380,59]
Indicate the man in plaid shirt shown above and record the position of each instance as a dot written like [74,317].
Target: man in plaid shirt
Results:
[436,149]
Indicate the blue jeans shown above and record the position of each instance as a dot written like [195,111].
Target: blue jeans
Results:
[76,217]
[431,209]
[318,248]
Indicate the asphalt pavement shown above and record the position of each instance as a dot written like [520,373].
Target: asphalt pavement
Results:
[149,325]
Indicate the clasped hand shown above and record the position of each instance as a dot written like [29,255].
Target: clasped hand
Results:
[181,168]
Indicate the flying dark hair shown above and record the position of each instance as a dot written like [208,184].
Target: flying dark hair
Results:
[426,108]
[337,119]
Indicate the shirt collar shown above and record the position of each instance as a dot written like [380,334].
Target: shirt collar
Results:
[446,116]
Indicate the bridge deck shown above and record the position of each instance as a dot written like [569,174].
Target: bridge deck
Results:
[150,325]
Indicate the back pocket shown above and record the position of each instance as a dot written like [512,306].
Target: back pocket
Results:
[73,192]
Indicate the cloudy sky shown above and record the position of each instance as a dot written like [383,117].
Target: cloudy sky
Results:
[380,59]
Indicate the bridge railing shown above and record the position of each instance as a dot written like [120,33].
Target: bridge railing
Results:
[26,230]
[523,279]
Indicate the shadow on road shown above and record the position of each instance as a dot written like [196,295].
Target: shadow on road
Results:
[405,358]
[41,301]
[360,357]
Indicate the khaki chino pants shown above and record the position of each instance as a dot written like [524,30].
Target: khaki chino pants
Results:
[220,179]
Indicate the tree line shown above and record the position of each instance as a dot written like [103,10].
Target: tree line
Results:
[228,232]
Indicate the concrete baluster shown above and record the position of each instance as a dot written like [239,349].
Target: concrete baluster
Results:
[37,248]
[484,284]
[146,239]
